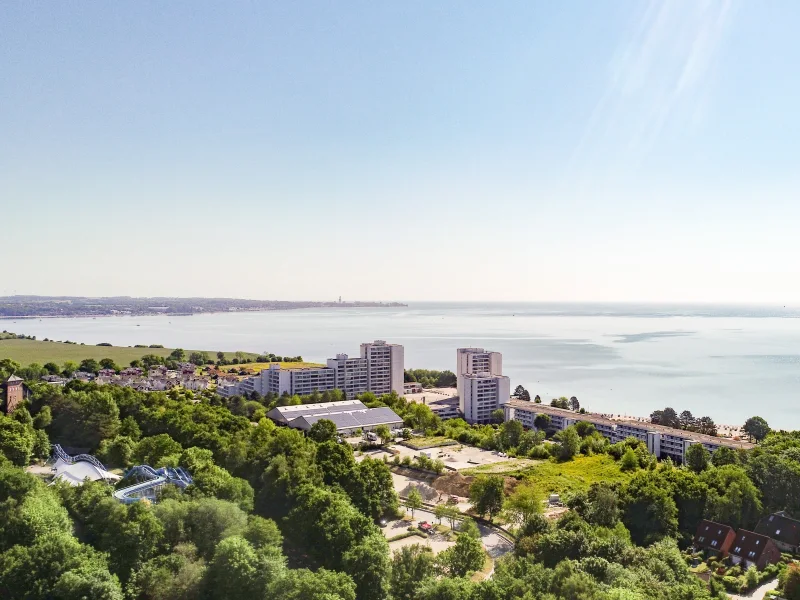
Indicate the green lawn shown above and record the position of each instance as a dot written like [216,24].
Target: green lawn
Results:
[575,475]
[420,443]
[257,367]
[36,351]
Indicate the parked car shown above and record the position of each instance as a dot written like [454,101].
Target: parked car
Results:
[425,526]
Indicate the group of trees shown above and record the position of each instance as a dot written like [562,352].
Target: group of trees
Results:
[431,379]
[670,418]
[563,402]
[262,493]
[221,537]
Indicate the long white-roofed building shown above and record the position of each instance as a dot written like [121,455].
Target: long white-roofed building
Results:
[347,415]
[661,441]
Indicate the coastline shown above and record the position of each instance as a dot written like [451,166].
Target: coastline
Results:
[192,314]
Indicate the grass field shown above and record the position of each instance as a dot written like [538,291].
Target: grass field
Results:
[36,351]
[259,366]
[572,476]
[421,443]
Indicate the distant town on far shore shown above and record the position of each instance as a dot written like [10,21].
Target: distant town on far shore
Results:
[80,306]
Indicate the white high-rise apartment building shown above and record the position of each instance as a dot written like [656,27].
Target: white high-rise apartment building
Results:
[482,387]
[482,394]
[301,381]
[476,360]
[352,374]
[385,365]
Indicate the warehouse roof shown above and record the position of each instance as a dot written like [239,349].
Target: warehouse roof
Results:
[287,413]
[368,417]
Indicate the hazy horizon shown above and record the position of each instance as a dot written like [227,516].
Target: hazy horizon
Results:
[516,152]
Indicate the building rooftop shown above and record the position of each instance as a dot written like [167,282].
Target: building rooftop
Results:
[711,534]
[780,526]
[369,417]
[749,544]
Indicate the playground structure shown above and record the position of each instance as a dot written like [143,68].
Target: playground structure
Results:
[150,481]
[79,468]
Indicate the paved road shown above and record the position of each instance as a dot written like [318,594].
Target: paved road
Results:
[758,593]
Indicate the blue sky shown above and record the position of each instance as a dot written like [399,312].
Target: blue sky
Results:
[615,150]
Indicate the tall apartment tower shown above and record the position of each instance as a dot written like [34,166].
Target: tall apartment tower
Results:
[352,374]
[385,364]
[482,387]
[476,360]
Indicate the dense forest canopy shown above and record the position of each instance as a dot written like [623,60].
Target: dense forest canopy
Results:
[276,514]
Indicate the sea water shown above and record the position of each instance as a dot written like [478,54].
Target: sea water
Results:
[727,362]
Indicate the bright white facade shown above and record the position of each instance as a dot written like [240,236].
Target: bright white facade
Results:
[482,393]
[482,387]
[476,360]
[352,374]
[661,441]
[385,364]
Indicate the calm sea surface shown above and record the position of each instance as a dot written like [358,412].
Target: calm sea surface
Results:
[726,362]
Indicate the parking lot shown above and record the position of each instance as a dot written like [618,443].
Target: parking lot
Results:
[457,457]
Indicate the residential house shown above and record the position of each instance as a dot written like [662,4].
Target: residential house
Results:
[750,548]
[783,530]
[714,537]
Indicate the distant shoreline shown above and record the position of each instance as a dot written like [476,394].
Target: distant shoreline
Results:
[41,307]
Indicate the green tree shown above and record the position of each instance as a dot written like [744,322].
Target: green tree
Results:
[371,488]
[629,460]
[574,404]
[510,434]
[732,497]
[791,583]
[117,452]
[322,431]
[569,443]
[486,495]
[368,564]
[263,533]
[176,576]
[43,418]
[69,368]
[108,363]
[724,456]
[414,500]
[756,428]
[208,521]
[411,565]
[152,450]
[447,589]
[35,572]
[464,557]
[16,441]
[523,504]
[237,572]
[697,458]
[89,365]
[52,368]
[178,355]
[649,512]
[498,415]
[198,358]
[603,507]
[584,429]
[302,584]
[130,428]
[542,421]
[383,432]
